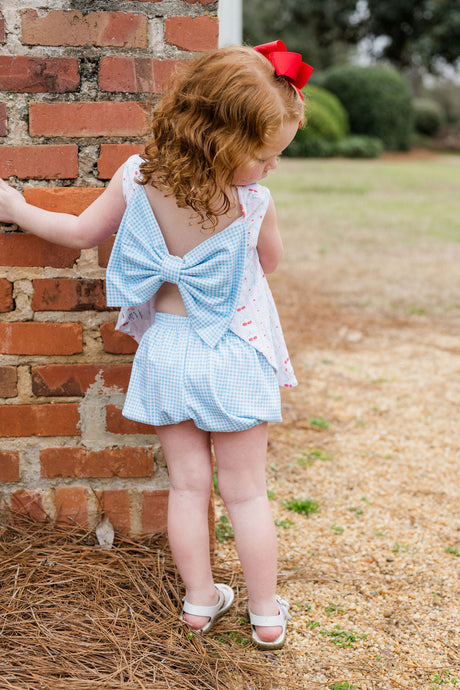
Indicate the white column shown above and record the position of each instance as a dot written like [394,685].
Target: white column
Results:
[230,15]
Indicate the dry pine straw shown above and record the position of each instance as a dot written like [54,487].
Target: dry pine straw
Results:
[73,615]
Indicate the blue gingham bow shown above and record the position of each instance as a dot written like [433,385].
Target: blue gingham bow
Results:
[209,276]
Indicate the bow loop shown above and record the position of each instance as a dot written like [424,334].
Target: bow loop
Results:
[286,64]
[170,269]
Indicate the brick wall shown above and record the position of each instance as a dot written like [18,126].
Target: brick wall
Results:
[76,79]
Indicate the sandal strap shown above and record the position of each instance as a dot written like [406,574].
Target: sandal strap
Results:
[272,621]
[205,611]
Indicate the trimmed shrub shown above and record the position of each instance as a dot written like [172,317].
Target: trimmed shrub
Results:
[359,147]
[326,124]
[378,102]
[429,116]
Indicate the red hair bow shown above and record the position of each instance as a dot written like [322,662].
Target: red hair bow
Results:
[286,64]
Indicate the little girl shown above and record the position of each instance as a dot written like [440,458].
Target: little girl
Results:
[195,236]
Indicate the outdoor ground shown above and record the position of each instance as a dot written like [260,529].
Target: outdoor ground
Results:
[369,297]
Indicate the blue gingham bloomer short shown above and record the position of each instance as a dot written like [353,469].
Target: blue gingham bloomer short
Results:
[176,376]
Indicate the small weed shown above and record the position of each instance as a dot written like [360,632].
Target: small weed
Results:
[356,511]
[234,636]
[273,467]
[214,482]
[332,608]
[309,456]
[400,548]
[285,524]
[343,638]
[319,423]
[224,530]
[343,686]
[443,678]
[337,529]
[379,533]
[312,624]
[365,500]
[452,550]
[303,506]
[270,495]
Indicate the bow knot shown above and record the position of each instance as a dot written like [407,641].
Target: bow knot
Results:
[286,64]
[170,269]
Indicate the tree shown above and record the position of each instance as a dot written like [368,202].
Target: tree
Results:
[321,30]
[418,33]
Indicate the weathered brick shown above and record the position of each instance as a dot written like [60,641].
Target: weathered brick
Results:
[104,251]
[8,382]
[115,342]
[155,511]
[192,33]
[117,424]
[110,462]
[138,74]
[19,249]
[112,156]
[6,295]
[75,379]
[33,338]
[2,29]
[72,28]
[88,119]
[68,294]
[9,466]
[23,74]
[3,120]
[28,504]
[202,2]
[115,505]
[62,199]
[39,420]
[71,503]
[41,162]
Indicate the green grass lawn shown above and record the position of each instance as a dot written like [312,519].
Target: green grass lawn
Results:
[380,233]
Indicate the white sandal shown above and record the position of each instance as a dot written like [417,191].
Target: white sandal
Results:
[226,596]
[271,621]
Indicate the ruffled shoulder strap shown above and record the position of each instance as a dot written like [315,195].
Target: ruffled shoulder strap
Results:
[130,172]
[254,201]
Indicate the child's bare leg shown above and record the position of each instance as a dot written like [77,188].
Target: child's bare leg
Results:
[241,458]
[188,454]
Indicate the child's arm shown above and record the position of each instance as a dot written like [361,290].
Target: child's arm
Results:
[100,220]
[270,244]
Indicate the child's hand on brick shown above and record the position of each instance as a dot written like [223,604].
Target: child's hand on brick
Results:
[10,198]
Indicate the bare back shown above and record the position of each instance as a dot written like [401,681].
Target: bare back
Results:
[181,233]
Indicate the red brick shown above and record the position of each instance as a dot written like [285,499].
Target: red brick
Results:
[117,424]
[39,420]
[88,119]
[115,342]
[19,249]
[202,2]
[75,379]
[9,466]
[104,251]
[71,504]
[115,505]
[34,338]
[68,294]
[2,29]
[112,156]
[8,382]
[28,503]
[3,120]
[192,33]
[110,462]
[62,199]
[6,295]
[138,74]
[155,511]
[38,75]
[40,162]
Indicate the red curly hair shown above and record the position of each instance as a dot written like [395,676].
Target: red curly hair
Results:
[221,110]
